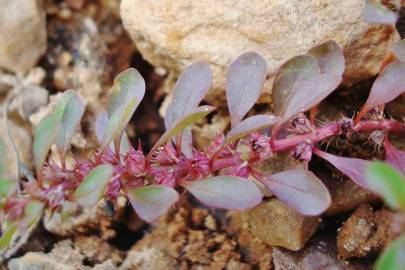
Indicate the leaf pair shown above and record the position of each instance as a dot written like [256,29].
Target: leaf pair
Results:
[227,192]
[304,81]
[58,127]
[125,96]
[191,87]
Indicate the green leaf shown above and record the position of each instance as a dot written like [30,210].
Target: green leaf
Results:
[118,121]
[127,85]
[71,116]
[152,201]
[7,186]
[389,183]
[6,238]
[393,257]
[180,125]
[32,213]
[45,135]
[228,192]
[93,186]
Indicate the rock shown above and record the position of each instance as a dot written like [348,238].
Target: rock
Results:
[97,218]
[278,225]
[23,34]
[255,252]
[28,101]
[319,253]
[368,232]
[173,35]
[148,259]
[346,195]
[65,256]
[96,250]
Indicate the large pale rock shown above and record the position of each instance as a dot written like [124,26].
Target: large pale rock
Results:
[173,34]
[22,34]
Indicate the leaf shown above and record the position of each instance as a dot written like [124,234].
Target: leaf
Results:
[93,186]
[375,12]
[301,190]
[191,87]
[394,156]
[228,192]
[389,183]
[388,85]
[393,256]
[32,213]
[6,238]
[63,100]
[150,202]
[299,85]
[249,125]
[330,58]
[3,158]
[45,135]
[118,121]
[101,125]
[7,186]
[354,168]
[180,125]
[72,115]
[244,83]
[128,85]
[399,50]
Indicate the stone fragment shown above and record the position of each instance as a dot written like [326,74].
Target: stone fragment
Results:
[173,35]
[23,37]
[368,232]
[278,225]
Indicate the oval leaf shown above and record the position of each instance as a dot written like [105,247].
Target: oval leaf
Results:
[244,83]
[330,58]
[393,256]
[228,192]
[388,85]
[180,125]
[150,202]
[375,12]
[72,115]
[45,135]
[394,156]
[101,125]
[354,168]
[301,190]
[191,87]
[302,82]
[89,192]
[128,85]
[399,50]
[389,183]
[249,125]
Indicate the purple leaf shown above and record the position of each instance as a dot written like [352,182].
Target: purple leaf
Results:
[354,168]
[388,85]
[191,87]
[304,81]
[394,156]
[244,82]
[228,192]
[150,202]
[330,58]
[249,125]
[399,50]
[375,12]
[301,190]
